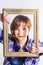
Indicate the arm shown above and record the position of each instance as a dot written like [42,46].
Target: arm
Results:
[1,35]
[40,47]
[6,18]
[1,31]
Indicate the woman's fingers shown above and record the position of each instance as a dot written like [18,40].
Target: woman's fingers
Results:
[34,49]
[6,18]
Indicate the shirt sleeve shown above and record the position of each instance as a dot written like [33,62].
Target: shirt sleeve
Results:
[1,35]
[40,43]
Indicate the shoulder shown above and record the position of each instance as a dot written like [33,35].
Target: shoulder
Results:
[30,41]
[10,37]
[11,42]
[1,35]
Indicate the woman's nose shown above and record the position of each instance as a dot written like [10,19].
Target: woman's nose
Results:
[20,31]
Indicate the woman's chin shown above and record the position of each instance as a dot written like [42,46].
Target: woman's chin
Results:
[20,39]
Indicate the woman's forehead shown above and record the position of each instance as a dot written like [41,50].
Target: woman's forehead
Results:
[22,24]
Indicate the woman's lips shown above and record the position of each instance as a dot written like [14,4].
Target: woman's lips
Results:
[20,36]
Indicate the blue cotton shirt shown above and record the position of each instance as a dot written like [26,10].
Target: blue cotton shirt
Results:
[14,46]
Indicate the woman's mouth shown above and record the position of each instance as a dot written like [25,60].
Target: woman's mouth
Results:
[20,36]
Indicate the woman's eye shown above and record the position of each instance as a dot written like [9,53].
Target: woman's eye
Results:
[24,28]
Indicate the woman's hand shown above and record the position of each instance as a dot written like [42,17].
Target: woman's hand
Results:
[6,18]
[34,49]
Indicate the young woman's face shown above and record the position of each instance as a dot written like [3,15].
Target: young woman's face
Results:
[21,32]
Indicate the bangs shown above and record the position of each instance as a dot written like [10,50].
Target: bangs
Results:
[18,20]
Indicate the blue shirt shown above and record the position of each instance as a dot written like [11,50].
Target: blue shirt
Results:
[14,46]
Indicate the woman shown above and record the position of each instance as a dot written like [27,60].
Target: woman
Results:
[19,41]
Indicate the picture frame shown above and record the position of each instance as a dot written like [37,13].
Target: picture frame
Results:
[32,13]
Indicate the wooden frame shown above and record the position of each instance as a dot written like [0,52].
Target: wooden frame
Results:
[35,19]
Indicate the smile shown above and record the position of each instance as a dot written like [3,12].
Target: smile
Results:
[20,36]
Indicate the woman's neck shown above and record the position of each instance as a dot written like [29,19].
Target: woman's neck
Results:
[22,43]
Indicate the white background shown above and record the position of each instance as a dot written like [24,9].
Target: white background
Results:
[24,4]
